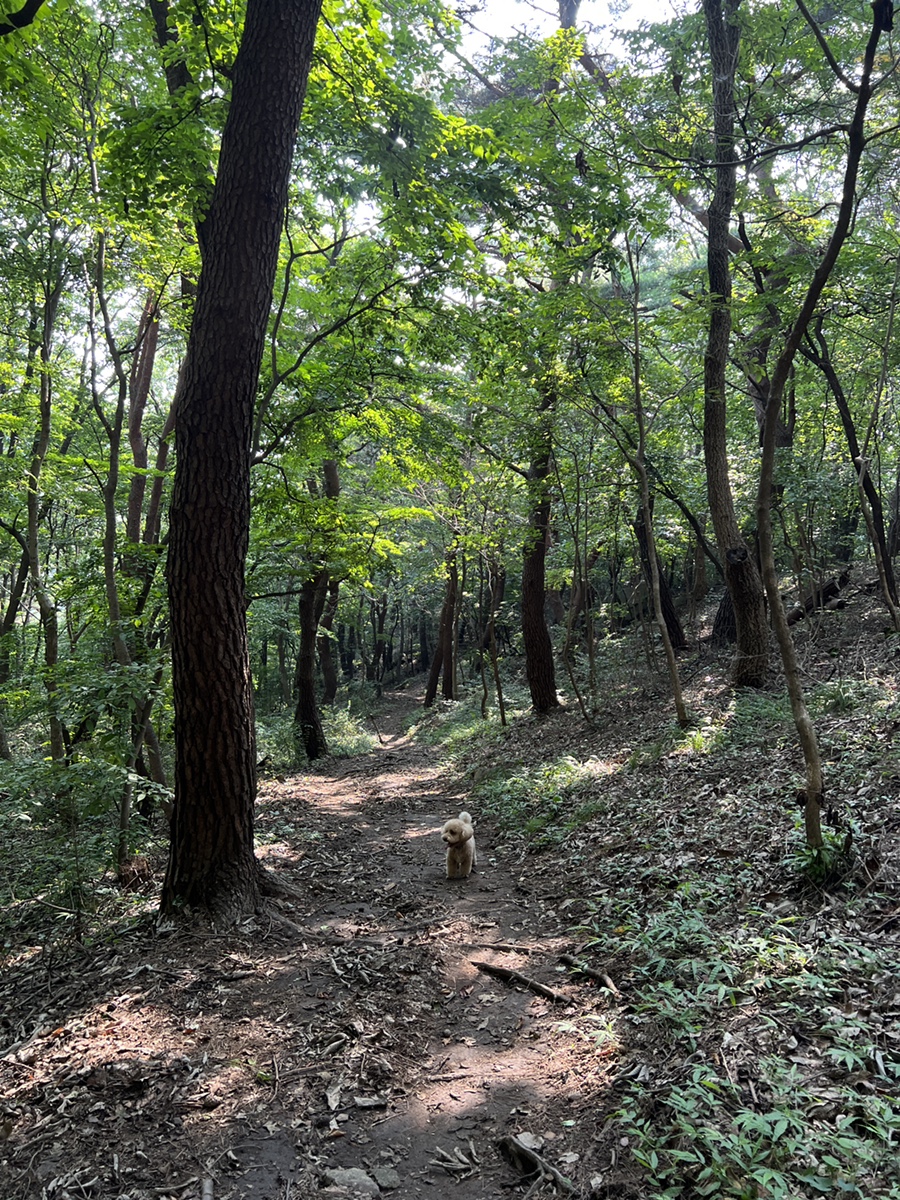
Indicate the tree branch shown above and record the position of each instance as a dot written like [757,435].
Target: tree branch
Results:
[18,20]
[826,49]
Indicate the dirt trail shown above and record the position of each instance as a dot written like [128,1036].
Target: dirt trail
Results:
[357,1034]
[475,1065]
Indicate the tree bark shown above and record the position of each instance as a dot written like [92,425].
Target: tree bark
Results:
[211,865]
[742,578]
[309,736]
[818,353]
[325,643]
[19,19]
[667,604]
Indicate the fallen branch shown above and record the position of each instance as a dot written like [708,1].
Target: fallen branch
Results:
[529,1162]
[583,969]
[532,985]
[456,1163]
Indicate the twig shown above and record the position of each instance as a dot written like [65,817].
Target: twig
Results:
[515,977]
[206,1190]
[583,969]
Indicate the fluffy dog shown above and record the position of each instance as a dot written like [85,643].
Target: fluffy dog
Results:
[459,836]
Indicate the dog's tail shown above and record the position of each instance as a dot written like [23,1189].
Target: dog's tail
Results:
[464,816]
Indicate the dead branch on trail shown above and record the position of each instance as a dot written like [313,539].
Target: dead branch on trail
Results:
[582,969]
[515,977]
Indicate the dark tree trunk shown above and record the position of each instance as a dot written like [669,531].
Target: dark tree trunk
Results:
[284,679]
[211,861]
[448,632]
[424,651]
[741,575]
[496,590]
[539,667]
[332,489]
[348,657]
[724,631]
[309,737]
[445,636]
[818,352]
[379,616]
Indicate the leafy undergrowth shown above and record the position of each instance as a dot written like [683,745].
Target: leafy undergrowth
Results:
[756,1021]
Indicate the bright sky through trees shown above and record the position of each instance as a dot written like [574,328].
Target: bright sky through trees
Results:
[499,18]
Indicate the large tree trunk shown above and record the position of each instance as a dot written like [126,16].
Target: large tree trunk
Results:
[741,575]
[211,861]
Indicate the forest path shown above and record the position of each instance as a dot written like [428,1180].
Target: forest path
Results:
[460,1057]
[355,1033]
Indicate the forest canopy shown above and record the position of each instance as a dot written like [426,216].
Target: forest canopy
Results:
[563,327]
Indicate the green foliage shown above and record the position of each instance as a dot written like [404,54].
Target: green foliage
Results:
[804,1129]
[346,733]
[59,838]
[536,800]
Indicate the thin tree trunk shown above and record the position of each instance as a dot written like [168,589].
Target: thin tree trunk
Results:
[309,736]
[638,462]
[653,570]
[39,451]
[325,643]
[815,787]
[445,633]
[819,354]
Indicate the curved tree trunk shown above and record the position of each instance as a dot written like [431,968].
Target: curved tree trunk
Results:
[856,142]
[211,861]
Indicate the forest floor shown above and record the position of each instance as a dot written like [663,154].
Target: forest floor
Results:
[733,1030]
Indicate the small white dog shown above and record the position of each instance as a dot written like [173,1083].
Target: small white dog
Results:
[459,835]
